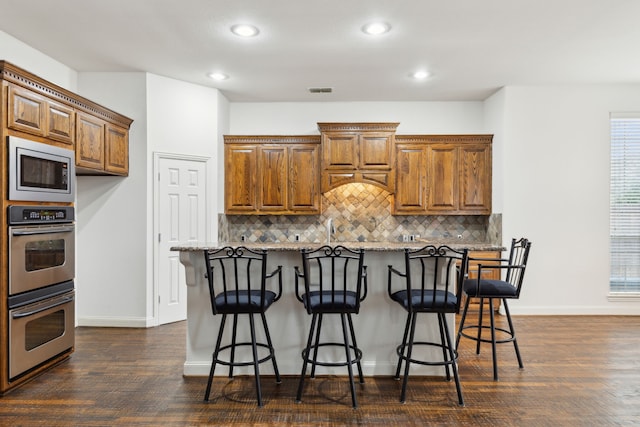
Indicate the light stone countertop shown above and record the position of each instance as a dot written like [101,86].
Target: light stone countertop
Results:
[368,246]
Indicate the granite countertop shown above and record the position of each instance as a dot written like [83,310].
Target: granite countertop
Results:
[369,246]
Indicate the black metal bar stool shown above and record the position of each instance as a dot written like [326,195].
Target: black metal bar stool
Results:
[238,285]
[429,284]
[334,283]
[509,288]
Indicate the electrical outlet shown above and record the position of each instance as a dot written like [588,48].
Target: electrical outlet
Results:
[405,238]
[412,238]
[296,237]
[243,238]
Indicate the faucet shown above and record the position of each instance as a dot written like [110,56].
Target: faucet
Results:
[330,229]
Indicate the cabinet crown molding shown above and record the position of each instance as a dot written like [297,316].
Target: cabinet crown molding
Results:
[471,138]
[272,139]
[360,126]
[16,75]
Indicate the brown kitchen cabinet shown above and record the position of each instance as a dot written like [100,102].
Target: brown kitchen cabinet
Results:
[411,179]
[116,160]
[90,142]
[267,175]
[38,115]
[358,152]
[443,174]
[475,172]
[304,182]
[35,109]
[240,170]
[102,148]
[99,136]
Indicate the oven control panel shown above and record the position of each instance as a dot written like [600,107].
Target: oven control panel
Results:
[40,214]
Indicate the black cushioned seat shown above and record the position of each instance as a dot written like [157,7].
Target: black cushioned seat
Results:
[429,284]
[334,279]
[512,269]
[237,278]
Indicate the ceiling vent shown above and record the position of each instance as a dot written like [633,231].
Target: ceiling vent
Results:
[320,89]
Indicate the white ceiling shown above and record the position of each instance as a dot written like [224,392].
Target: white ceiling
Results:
[471,47]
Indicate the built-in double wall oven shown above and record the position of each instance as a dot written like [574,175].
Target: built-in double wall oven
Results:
[41,254]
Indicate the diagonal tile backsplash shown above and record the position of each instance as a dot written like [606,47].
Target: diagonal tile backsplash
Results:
[360,212]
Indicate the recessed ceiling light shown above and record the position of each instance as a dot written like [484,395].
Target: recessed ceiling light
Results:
[245,30]
[376,28]
[218,76]
[420,75]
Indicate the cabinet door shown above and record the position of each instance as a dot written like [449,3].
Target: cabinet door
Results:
[411,177]
[272,173]
[116,150]
[61,122]
[340,150]
[241,163]
[442,178]
[89,142]
[376,150]
[304,179]
[475,178]
[27,111]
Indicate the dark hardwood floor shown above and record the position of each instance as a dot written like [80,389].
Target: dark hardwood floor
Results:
[578,371]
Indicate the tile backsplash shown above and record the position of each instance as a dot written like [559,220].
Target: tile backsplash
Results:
[359,212]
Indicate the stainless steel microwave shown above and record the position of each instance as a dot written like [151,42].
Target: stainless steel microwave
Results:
[40,172]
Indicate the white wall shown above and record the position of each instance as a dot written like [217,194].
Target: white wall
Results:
[301,118]
[111,279]
[187,119]
[115,215]
[34,61]
[494,117]
[556,192]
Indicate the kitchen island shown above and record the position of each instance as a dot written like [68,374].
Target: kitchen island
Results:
[379,325]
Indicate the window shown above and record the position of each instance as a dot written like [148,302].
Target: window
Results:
[625,204]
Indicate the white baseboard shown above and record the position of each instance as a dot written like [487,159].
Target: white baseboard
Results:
[116,322]
[627,309]
[369,368]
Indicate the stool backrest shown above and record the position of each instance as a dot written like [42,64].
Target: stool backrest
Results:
[335,270]
[436,275]
[517,263]
[231,271]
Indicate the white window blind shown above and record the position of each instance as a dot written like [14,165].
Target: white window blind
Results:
[625,204]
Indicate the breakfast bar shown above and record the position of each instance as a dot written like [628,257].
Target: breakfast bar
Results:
[378,326]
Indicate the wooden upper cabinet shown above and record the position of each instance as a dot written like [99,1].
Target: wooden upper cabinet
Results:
[273,178]
[358,152]
[475,178]
[443,174]
[376,150]
[304,178]
[102,148]
[27,111]
[61,123]
[268,175]
[442,177]
[340,151]
[411,179]
[116,150]
[90,138]
[35,114]
[99,136]
[240,170]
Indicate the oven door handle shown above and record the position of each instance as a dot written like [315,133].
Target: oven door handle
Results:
[20,314]
[34,231]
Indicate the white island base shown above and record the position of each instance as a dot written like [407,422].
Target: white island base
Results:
[379,325]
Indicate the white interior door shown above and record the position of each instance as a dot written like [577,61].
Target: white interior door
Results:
[181,211]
